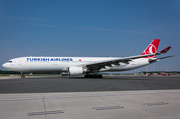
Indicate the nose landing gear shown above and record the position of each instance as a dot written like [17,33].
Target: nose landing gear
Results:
[22,75]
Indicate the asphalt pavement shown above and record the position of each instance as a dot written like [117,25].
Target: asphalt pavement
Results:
[80,84]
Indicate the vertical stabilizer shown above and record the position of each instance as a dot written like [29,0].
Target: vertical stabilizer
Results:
[152,48]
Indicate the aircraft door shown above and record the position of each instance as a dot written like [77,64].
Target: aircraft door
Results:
[19,62]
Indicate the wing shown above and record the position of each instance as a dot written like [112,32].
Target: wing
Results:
[102,64]
[116,61]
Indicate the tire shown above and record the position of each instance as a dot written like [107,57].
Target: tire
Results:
[86,76]
[100,76]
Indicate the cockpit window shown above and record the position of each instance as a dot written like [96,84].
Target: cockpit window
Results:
[9,61]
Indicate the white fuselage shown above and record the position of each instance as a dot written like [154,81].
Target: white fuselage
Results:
[38,64]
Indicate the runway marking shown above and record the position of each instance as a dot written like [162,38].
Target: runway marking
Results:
[44,113]
[106,108]
[91,95]
[158,103]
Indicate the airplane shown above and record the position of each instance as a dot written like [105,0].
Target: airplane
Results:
[91,67]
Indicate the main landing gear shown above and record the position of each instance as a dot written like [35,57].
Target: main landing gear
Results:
[93,76]
[22,75]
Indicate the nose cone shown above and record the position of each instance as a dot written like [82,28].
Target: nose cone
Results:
[5,65]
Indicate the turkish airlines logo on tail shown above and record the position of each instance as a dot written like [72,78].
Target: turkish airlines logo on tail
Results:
[152,48]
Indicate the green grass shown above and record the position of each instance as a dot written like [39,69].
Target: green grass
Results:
[1,75]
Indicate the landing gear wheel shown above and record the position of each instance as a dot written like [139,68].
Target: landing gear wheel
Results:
[86,76]
[99,76]
[22,75]
[93,76]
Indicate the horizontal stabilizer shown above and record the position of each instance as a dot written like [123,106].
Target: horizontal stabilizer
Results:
[167,57]
[155,60]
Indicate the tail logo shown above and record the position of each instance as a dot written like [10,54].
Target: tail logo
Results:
[152,49]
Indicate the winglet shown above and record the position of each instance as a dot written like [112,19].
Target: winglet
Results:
[165,50]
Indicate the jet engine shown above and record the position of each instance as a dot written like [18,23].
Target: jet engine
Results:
[76,71]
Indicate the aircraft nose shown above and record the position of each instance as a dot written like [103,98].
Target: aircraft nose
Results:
[8,66]
[5,65]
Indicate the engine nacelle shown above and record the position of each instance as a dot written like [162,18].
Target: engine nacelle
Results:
[75,71]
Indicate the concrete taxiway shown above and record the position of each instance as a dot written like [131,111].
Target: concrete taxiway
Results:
[126,97]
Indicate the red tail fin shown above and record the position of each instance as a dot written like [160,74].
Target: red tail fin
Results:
[152,48]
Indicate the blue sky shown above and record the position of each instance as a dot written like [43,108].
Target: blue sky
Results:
[89,28]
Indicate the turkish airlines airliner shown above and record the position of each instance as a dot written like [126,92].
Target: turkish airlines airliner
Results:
[90,66]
